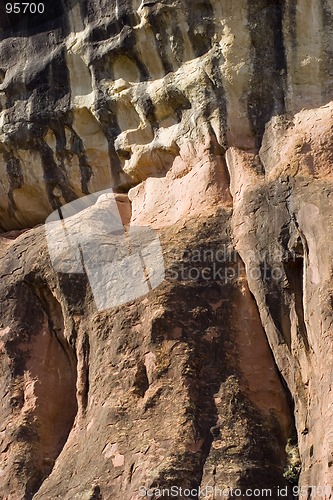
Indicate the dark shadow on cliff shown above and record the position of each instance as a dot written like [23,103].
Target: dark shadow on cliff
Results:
[44,368]
[33,18]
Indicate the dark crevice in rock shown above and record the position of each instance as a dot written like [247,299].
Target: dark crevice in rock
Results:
[279,47]
[278,305]
[160,27]
[294,269]
[200,36]
[2,75]
[148,109]
[53,312]
[55,178]
[85,372]
[96,494]
[85,169]
[49,86]
[15,176]
[57,126]
[174,100]
[266,96]
[141,382]
[143,69]
[130,472]
[75,290]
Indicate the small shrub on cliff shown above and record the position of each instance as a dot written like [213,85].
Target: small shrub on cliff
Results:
[293,468]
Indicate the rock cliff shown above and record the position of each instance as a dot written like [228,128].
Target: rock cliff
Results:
[210,122]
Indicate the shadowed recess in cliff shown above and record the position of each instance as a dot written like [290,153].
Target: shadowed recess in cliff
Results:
[32,18]
[29,19]
[266,96]
[45,372]
[294,269]
[46,83]
[15,176]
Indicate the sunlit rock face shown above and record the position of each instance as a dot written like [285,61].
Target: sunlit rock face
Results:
[283,230]
[107,94]
[178,388]
[211,121]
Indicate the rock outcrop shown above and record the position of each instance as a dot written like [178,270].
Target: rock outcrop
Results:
[178,389]
[286,251]
[211,121]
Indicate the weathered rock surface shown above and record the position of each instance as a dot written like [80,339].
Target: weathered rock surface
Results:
[213,120]
[287,254]
[177,389]
[120,91]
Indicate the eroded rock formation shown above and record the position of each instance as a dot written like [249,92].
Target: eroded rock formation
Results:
[213,120]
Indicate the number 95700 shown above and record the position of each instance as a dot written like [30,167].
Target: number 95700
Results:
[25,8]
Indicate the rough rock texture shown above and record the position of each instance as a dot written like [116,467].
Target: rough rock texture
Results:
[177,389]
[119,91]
[213,119]
[289,266]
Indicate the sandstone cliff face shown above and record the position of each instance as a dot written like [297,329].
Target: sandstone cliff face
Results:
[121,91]
[177,389]
[212,121]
